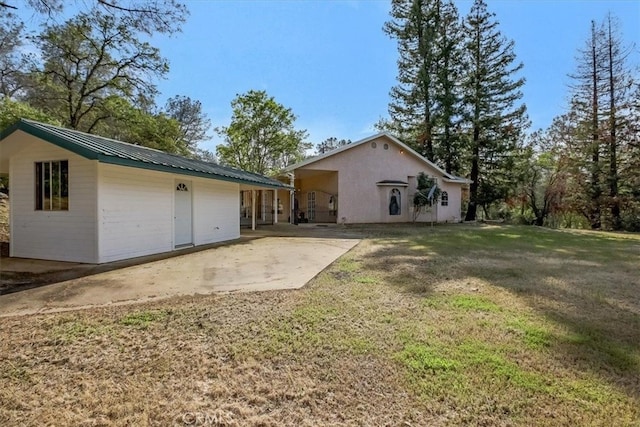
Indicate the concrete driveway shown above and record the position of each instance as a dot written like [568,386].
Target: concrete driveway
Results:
[256,265]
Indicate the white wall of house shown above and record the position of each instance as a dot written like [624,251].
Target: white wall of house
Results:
[54,235]
[360,168]
[215,211]
[135,212]
[115,212]
[451,212]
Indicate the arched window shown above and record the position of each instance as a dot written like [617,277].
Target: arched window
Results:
[394,202]
[444,199]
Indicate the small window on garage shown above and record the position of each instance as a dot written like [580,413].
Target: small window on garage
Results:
[444,199]
[52,186]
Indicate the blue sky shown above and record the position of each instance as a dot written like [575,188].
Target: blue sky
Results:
[330,62]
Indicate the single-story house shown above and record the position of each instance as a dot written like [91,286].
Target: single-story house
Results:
[371,181]
[83,198]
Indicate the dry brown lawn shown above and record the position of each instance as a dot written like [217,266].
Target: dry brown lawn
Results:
[416,326]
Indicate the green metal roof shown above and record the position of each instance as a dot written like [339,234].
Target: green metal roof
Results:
[114,152]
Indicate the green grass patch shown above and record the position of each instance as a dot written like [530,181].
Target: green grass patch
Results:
[474,303]
[347,265]
[143,319]
[422,359]
[367,280]
[479,356]
[534,336]
[69,330]
[313,315]
[358,345]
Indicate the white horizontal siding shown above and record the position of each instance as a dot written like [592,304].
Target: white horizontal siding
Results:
[135,212]
[216,215]
[115,212]
[53,235]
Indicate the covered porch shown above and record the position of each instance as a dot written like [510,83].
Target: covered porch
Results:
[260,206]
[316,196]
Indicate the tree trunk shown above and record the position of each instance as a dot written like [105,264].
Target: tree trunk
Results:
[616,222]
[475,172]
[594,212]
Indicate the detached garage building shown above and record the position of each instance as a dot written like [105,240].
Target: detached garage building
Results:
[83,198]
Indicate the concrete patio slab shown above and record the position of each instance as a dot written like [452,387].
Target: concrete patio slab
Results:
[255,265]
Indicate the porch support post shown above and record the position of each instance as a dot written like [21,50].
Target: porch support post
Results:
[292,183]
[275,206]
[253,209]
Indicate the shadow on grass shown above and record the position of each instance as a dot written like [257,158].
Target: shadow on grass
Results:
[585,283]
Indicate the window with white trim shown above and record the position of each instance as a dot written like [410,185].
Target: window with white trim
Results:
[444,199]
[52,186]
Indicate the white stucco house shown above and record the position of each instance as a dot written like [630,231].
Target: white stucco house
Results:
[371,181]
[83,198]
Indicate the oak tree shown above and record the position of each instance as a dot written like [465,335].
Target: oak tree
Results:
[261,137]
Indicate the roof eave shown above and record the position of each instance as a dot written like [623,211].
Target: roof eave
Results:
[364,141]
[121,161]
[334,152]
[458,181]
[31,129]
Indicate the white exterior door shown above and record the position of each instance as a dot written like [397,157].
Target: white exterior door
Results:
[182,214]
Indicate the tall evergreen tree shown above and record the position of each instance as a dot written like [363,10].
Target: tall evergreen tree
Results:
[586,107]
[619,82]
[413,25]
[602,107]
[494,118]
[448,150]
[330,144]
[425,101]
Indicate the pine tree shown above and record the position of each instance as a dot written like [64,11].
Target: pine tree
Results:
[425,103]
[602,106]
[414,24]
[619,81]
[494,120]
[585,104]
[447,142]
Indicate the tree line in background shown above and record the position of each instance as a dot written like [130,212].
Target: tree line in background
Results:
[458,103]
[94,73]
